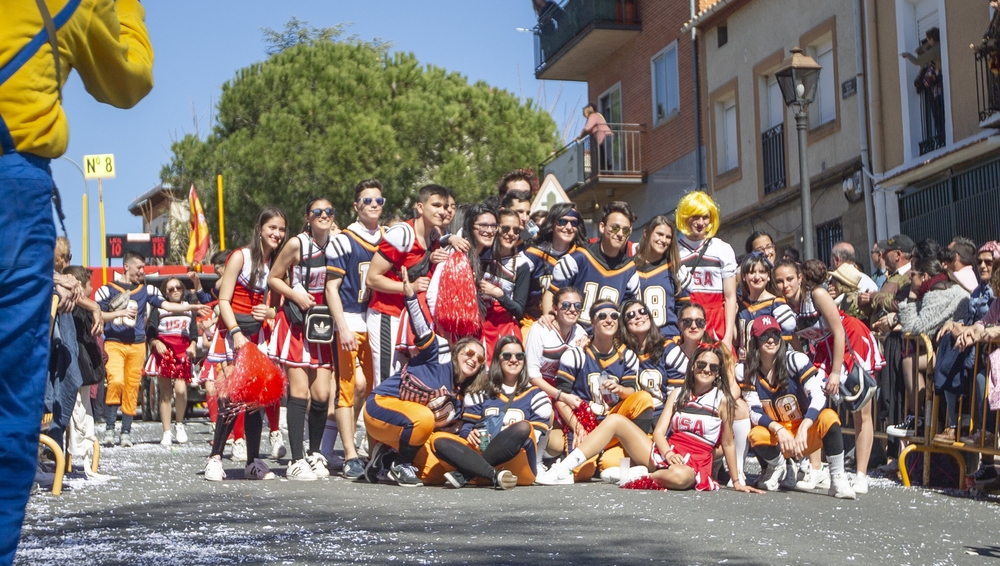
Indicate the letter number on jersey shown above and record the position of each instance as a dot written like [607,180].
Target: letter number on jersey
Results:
[363,278]
[655,298]
[591,293]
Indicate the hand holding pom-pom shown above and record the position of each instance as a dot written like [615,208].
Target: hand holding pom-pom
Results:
[457,304]
[254,380]
[585,416]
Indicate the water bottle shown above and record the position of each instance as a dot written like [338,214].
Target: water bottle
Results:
[530,231]
[609,398]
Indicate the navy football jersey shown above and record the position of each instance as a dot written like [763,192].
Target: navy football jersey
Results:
[542,260]
[531,405]
[348,256]
[775,307]
[588,270]
[124,329]
[803,397]
[432,365]
[582,370]
[658,294]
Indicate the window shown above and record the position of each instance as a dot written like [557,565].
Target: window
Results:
[826,91]
[730,155]
[666,99]
[773,139]
[827,235]
[722,32]
[775,104]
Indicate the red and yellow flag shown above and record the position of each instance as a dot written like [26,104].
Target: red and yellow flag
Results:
[198,240]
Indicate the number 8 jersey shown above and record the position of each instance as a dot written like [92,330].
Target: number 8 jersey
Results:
[596,277]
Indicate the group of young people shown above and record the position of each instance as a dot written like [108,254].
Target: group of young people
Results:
[478,343]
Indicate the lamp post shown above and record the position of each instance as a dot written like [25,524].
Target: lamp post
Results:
[86,204]
[797,78]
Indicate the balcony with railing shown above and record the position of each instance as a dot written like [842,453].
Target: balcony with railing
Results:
[773,159]
[931,120]
[988,76]
[614,164]
[576,36]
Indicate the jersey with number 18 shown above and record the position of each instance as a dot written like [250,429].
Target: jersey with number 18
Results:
[348,256]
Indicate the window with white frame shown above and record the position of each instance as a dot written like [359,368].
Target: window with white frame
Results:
[666,98]
[728,138]
[775,104]
[825,105]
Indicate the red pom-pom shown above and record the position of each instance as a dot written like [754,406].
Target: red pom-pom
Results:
[254,380]
[645,482]
[457,309]
[585,417]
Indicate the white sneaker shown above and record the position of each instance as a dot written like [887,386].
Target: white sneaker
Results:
[168,439]
[556,475]
[860,486]
[791,475]
[278,450]
[240,450]
[182,435]
[814,479]
[770,478]
[612,475]
[214,470]
[300,470]
[840,488]
[258,470]
[318,463]
[636,472]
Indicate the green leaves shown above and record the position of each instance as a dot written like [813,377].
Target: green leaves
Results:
[320,115]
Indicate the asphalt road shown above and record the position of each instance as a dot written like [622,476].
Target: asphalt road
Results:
[162,511]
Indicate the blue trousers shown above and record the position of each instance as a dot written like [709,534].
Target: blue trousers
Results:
[27,249]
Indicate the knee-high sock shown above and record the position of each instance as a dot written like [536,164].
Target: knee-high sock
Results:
[833,445]
[273,413]
[253,423]
[213,408]
[467,460]
[317,422]
[330,432]
[741,433]
[407,453]
[296,425]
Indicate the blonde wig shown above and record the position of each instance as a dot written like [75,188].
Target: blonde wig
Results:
[697,203]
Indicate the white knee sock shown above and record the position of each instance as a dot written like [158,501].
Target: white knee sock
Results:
[543,440]
[836,462]
[741,433]
[330,432]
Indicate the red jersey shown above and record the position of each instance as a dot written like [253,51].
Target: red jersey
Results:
[400,247]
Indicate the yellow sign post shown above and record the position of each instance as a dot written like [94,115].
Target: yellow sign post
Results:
[100,167]
[86,221]
[222,219]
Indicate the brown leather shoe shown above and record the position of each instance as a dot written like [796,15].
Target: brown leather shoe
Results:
[974,440]
[946,437]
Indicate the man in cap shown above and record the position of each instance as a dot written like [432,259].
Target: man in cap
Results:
[885,303]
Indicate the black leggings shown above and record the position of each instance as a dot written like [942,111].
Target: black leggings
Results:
[833,444]
[296,425]
[502,448]
[253,424]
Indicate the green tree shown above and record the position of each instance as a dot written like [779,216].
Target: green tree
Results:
[321,114]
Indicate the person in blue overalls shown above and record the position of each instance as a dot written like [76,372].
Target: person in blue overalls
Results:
[107,42]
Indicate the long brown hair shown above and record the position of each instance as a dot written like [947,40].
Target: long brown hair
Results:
[490,383]
[721,381]
[456,369]
[652,345]
[257,259]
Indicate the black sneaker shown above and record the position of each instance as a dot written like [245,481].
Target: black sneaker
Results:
[906,429]
[405,475]
[354,468]
[455,479]
[375,465]
[985,473]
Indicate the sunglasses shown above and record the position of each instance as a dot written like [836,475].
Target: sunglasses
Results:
[566,305]
[472,353]
[702,366]
[604,315]
[506,356]
[770,336]
[172,289]
[985,261]
[641,311]
[625,230]
[366,201]
[699,322]
[486,227]
[329,211]
[564,221]
[508,229]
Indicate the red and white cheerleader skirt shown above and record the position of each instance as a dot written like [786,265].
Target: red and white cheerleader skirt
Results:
[697,456]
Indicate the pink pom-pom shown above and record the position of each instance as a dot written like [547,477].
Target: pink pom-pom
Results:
[457,303]
[645,482]
[254,380]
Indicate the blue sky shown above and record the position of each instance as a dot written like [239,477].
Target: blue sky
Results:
[200,45]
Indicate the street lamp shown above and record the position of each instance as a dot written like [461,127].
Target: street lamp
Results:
[797,78]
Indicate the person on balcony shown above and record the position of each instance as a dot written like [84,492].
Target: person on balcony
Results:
[929,82]
[601,137]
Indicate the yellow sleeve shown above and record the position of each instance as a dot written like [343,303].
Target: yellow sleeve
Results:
[115,57]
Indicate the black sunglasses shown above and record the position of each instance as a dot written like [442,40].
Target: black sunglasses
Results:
[566,305]
[172,289]
[368,200]
[564,221]
[702,366]
[317,212]
[641,311]
[770,335]
[604,315]
[699,322]
[515,229]
[506,356]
